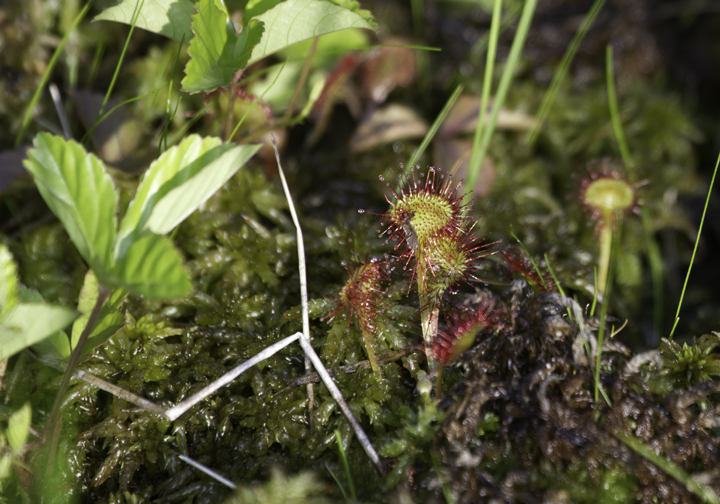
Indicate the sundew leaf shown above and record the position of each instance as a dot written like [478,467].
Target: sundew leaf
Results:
[30,323]
[294,20]
[19,427]
[170,18]
[184,199]
[217,52]
[8,281]
[78,190]
[109,321]
[152,267]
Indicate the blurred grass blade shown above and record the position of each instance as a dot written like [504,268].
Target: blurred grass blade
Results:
[346,465]
[503,87]
[615,115]
[436,125]
[46,76]
[122,57]
[657,269]
[562,70]
[706,494]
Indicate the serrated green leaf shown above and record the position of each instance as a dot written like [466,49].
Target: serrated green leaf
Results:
[8,281]
[295,20]
[217,52]
[152,267]
[175,167]
[30,323]
[109,321]
[77,188]
[186,198]
[170,18]
[19,427]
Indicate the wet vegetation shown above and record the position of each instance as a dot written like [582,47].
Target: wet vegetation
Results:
[482,369]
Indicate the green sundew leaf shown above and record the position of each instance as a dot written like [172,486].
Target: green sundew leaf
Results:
[108,323]
[152,267]
[19,427]
[217,52]
[30,323]
[295,20]
[173,168]
[77,188]
[170,18]
[184,199]
[5,465]
[256,7]
[8,281]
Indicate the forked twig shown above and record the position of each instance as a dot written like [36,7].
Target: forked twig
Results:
[180,408]
[305,340]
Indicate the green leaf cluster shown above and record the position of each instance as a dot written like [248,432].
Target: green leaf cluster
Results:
[217,52]
[134,256]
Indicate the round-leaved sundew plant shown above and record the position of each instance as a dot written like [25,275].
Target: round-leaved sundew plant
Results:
[607,193]
[432,228]
[360,297]
[461,332]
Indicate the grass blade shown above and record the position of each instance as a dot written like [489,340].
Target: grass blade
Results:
[487,84]
[504,86]
[697,241]
[436,125]
[343,457]
[46,75]
[562,69]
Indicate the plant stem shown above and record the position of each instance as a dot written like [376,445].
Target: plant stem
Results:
[370,351]
[605,247]
[429,311]
[72,364]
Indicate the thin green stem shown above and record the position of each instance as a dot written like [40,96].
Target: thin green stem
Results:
[557,284]
[605,248]
[562,69]
[487,82]
[697,241]
[438,383]
[136,14]
[72,364]
[46,76]
[653,251]
[503,87]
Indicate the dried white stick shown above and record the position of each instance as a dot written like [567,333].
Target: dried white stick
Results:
[303,278]
[57,100]
[113,389]
[337,395]
[208,471]
[177,410]
[305,340]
